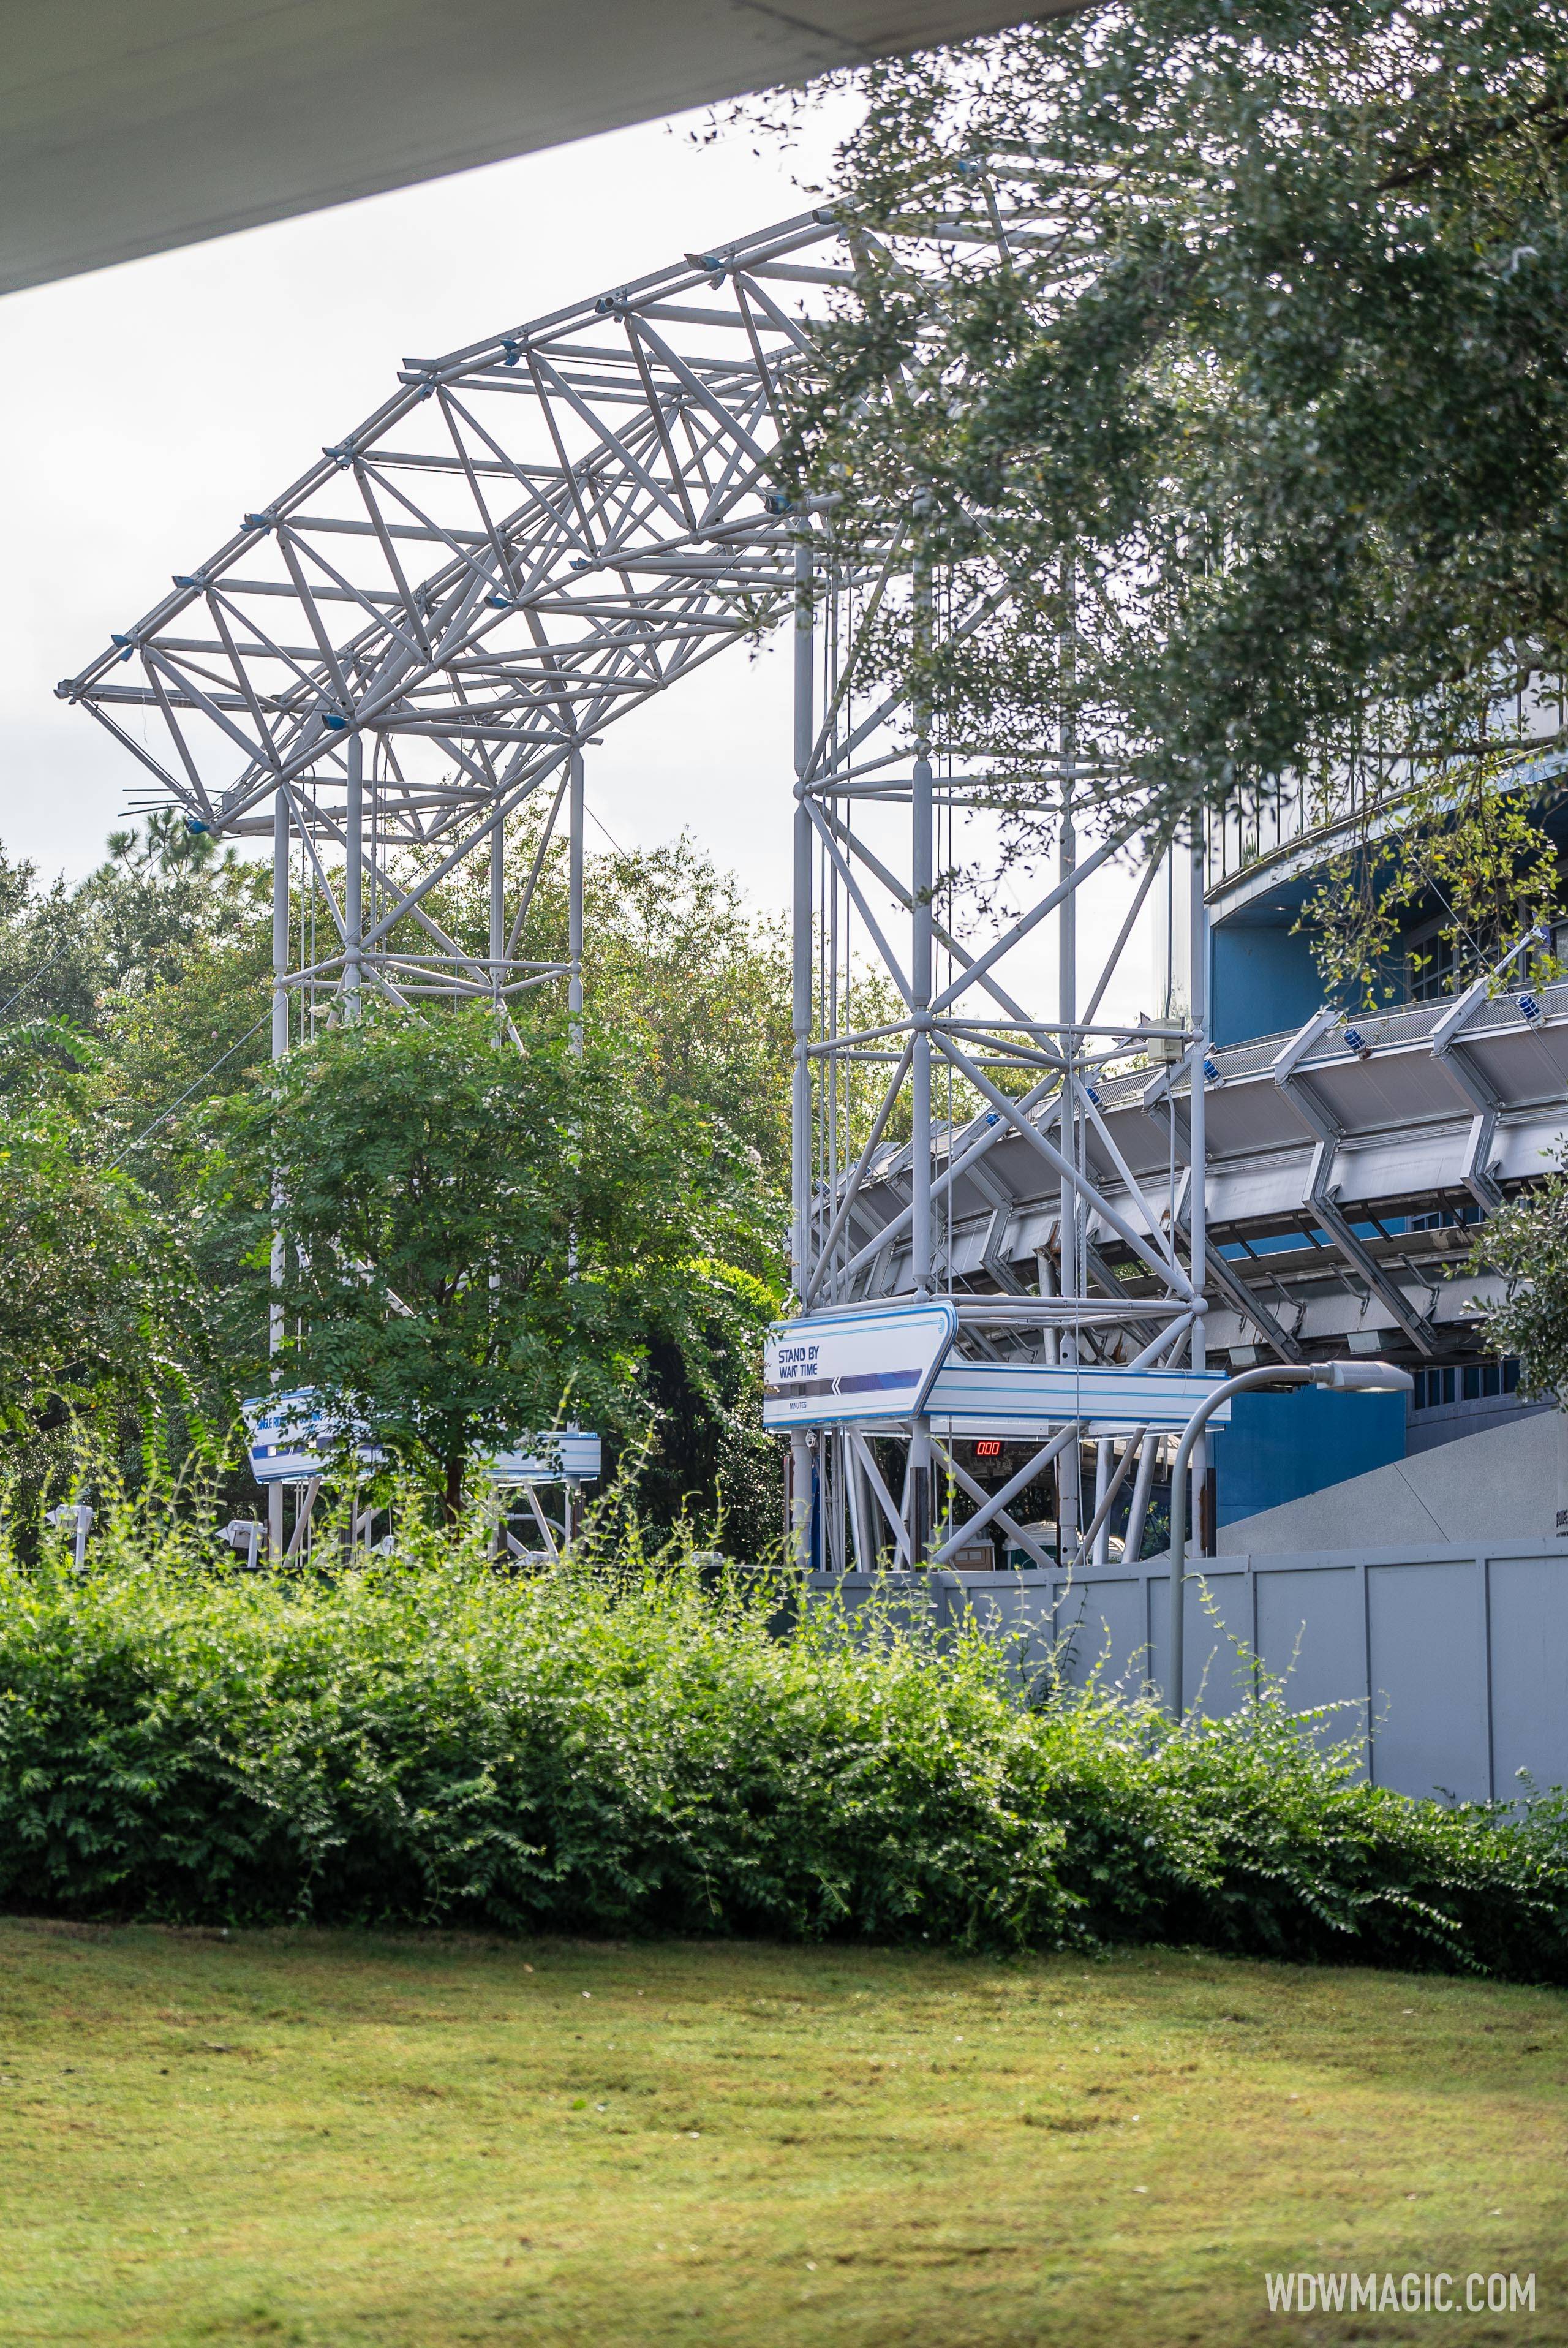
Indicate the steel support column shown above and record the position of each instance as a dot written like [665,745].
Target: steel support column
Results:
[353,879]
[1197,1126]
[923,976]
[574,897]
[280,1045]
[803,944]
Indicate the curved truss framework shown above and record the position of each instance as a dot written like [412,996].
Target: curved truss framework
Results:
[527,541]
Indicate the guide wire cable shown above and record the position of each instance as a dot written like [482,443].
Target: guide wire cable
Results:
[162,1118]
[28,985]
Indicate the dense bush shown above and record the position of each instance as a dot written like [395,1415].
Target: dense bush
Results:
[432,1741]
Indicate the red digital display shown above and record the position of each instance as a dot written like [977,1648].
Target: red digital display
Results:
[989,1448]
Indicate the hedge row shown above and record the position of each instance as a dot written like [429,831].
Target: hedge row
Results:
[429,1741]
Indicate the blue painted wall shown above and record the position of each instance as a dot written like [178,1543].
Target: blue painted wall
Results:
[1279,1446]
[1264,981]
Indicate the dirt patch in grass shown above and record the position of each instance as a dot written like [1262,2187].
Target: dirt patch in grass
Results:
[350,2142]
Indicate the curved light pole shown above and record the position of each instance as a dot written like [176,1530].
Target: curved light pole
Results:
[1364,1378]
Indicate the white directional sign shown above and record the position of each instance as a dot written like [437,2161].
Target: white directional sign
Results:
[1022,1398]
[295,1436]
[568,1454]
[829,1368]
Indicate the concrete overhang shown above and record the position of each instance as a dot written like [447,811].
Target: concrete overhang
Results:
[129,129]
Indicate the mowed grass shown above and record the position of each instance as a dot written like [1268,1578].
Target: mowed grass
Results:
[345,2139]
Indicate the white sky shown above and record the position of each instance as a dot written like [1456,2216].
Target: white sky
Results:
[147,406]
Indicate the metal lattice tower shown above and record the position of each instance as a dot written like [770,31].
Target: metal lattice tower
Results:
[530,538]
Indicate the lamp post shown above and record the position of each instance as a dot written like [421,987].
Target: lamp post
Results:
[1361,1377]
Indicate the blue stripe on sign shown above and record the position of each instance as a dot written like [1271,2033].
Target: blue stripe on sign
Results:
[860,1382]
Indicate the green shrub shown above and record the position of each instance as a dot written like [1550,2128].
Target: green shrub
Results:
[430,1741]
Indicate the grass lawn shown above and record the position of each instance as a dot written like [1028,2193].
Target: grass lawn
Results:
[336,2140]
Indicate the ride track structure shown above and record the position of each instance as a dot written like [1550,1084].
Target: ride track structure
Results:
[529,541]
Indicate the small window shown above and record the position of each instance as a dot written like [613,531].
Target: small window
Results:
[1473,1381]
[1511,1374]
[1491,1378]
[1431,966]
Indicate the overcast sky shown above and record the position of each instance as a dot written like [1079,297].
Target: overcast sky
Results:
[147,406]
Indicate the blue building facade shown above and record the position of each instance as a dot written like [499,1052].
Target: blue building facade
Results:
[1265,984]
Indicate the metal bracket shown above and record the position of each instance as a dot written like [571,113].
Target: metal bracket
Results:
[1328,1133]
[993,1260]
[1158,1094]
[1479,1177]
[1466,1077]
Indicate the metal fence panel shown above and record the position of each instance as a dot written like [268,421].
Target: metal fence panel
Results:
[1427,1639]
[1104,1621]
[1311,1632]
[1451,1664]
[1529,1642]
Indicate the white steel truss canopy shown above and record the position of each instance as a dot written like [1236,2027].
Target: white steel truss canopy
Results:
[1338,1163]
[529,539]
[535,535]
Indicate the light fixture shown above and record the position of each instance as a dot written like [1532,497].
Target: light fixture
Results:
[1362,1378]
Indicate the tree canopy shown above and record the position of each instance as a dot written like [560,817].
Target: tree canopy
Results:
[1262,433]
[102,1325]
[478,1239]
[135,1116]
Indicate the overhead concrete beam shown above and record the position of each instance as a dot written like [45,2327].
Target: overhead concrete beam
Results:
[126,129]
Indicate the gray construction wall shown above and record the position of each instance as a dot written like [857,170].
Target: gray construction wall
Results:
[1448,1664]
[1451,1662]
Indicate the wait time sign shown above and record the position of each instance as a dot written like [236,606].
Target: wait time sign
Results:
[832,1368]
[840,1369]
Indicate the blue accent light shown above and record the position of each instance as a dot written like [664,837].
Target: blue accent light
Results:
[1211,1074]
[513,351]
[336,725]
[1529,1011]
[1355,1042]
[774,503]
